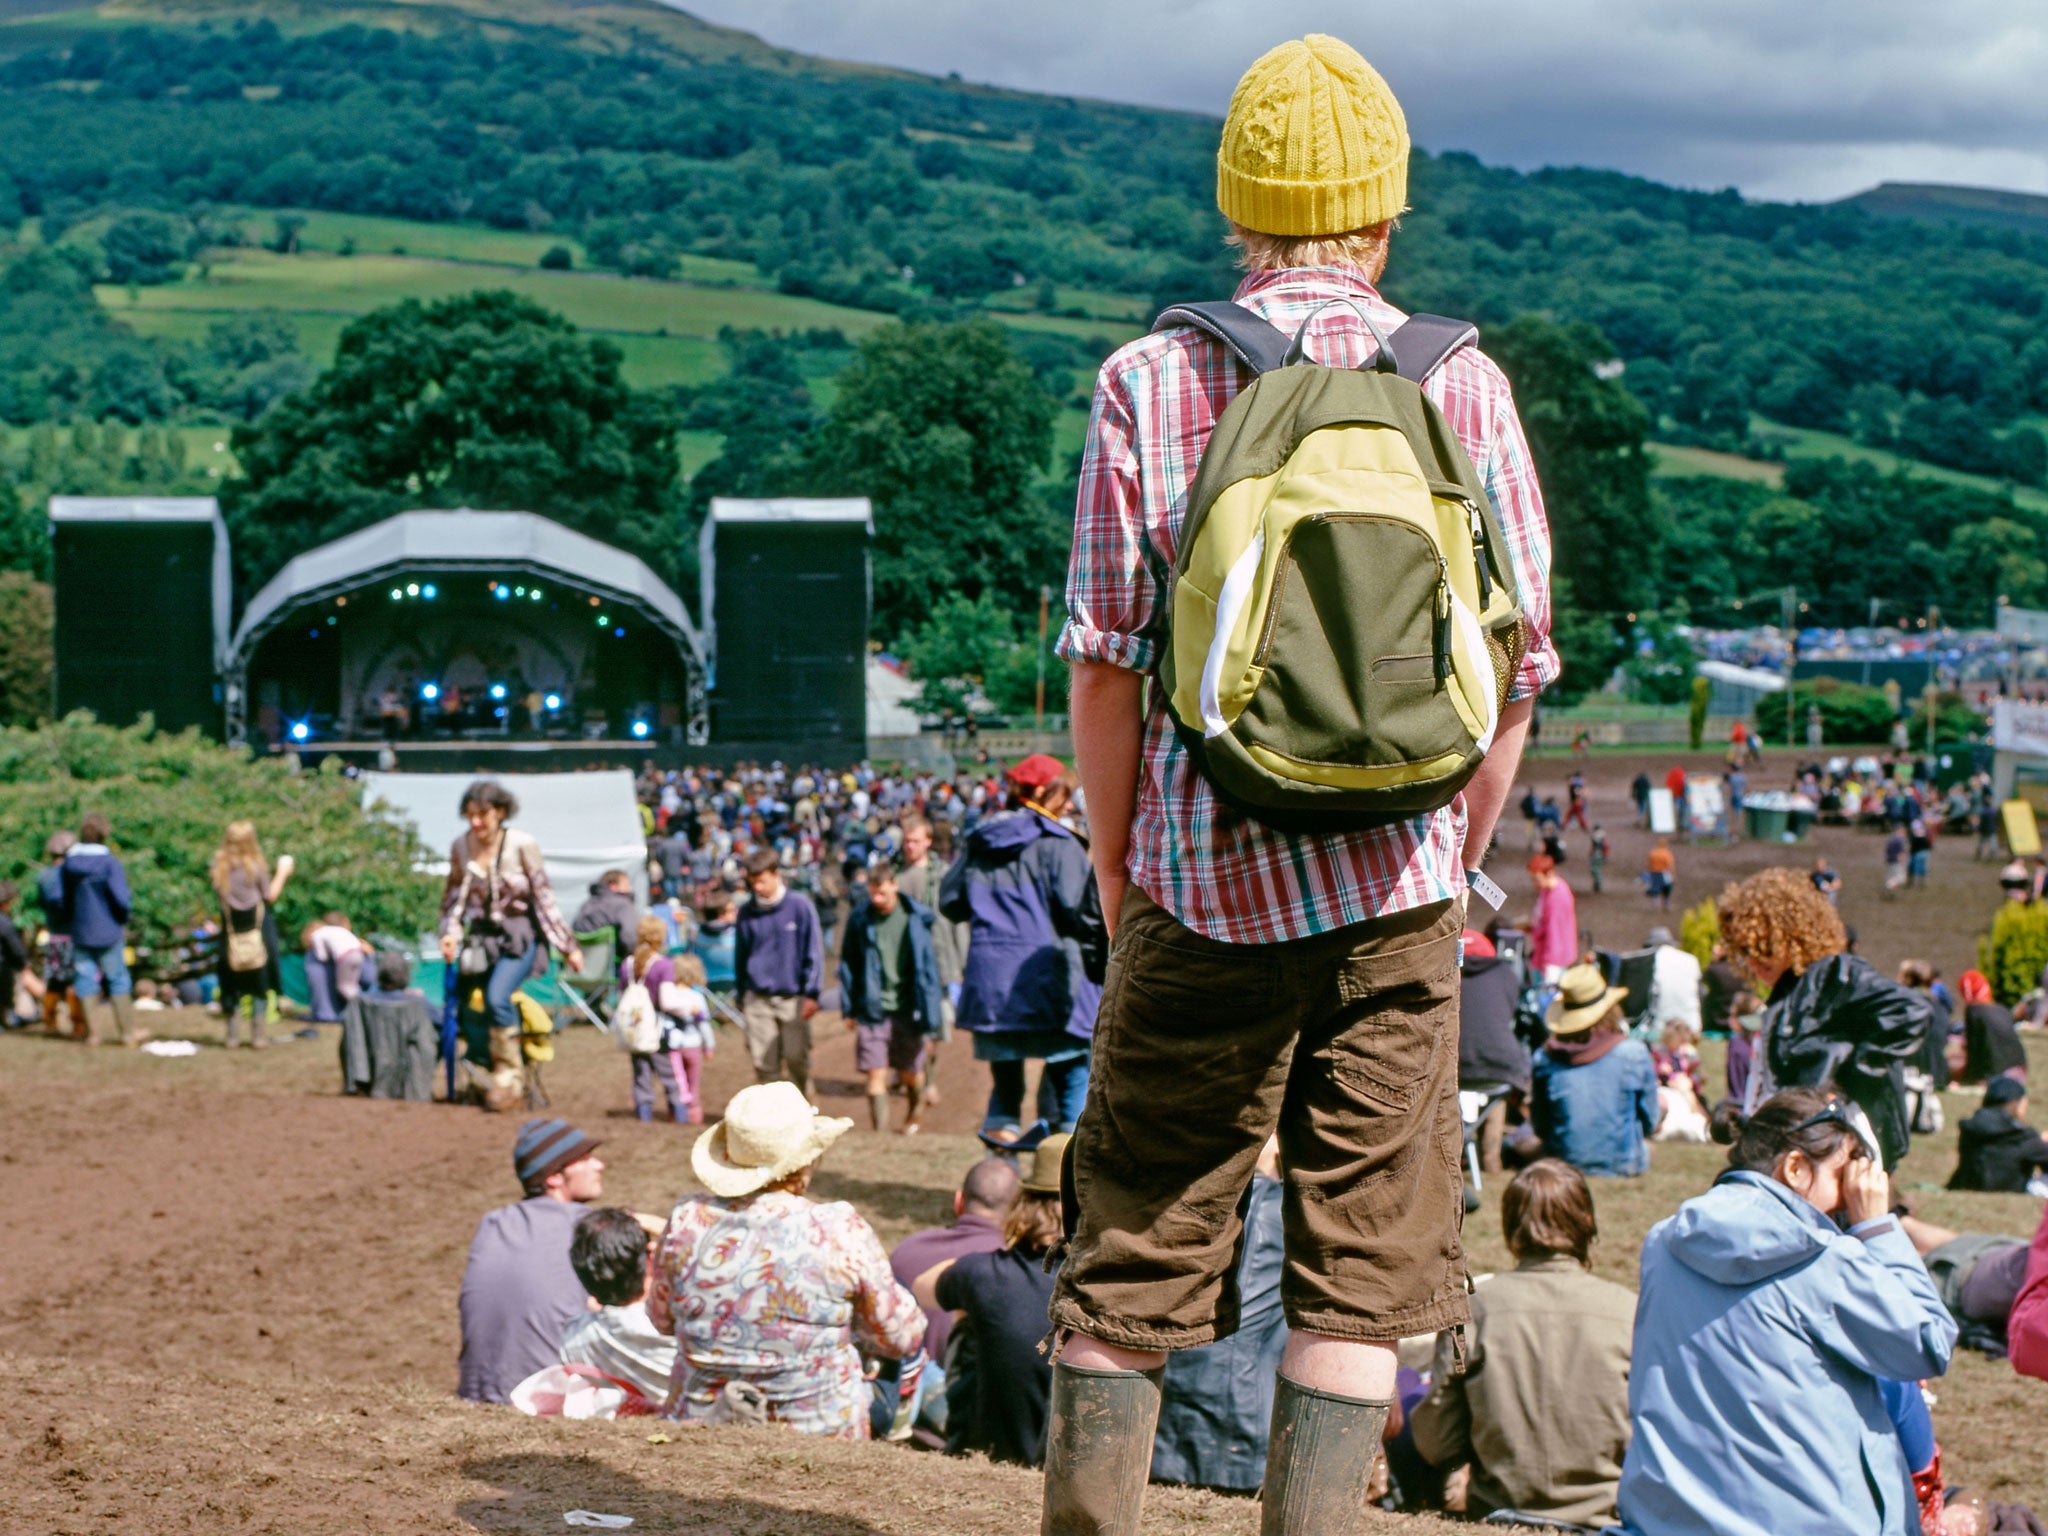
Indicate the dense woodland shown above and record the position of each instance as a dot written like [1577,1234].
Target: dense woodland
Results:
[924,198]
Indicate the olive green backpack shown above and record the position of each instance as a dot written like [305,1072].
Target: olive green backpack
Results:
[1343,626]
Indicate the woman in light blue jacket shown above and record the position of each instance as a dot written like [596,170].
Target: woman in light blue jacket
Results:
[1762,1332]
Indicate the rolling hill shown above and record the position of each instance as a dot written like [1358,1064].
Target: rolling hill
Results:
[666,184]
[1985,207]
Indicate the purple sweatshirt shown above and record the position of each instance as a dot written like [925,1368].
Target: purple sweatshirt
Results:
[781,949]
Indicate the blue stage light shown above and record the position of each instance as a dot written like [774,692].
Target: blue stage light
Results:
[497,690]
[640,729]
[430,691]
[429,591]
[301,730]
[620,631]
[502,591]
[553,701]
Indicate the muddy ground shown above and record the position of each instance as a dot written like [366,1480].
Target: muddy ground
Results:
[227,1296]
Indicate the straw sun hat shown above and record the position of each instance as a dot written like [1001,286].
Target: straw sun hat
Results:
[1583,998]
[769,1131]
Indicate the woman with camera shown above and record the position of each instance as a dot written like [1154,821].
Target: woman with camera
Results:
[1777,1310]
[496,908]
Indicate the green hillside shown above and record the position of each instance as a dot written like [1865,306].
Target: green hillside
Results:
[205,195]
[1988,207]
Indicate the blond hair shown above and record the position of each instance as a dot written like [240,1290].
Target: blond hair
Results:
[1363,249]
[239,850]
[649,939]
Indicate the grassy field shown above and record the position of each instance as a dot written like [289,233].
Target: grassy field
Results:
[667,329]
[206,448]
[1806,443]
[1682,459]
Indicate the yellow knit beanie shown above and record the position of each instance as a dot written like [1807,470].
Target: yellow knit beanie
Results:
[1314,144]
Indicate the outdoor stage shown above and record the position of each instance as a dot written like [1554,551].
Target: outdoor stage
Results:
[483,636]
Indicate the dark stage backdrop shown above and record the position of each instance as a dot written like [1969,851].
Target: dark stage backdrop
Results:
[135,621]
[790,615]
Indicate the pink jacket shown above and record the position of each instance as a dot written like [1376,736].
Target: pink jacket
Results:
[1554,936]
[2026,1331]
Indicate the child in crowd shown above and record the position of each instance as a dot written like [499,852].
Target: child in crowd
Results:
[682,1031]
[1746,1018]
[609,1254]
[1660,873]
[686,1015]
[1681,1084]
[147,998]
[1894,863]
[646,1034]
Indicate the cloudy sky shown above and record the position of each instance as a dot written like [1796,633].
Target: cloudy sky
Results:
[1809,99]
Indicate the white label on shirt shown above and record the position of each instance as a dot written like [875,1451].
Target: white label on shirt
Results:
[1478,883]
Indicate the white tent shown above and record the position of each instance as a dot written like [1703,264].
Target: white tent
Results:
[587,823]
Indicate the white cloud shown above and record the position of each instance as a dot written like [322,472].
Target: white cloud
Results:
[1808,100]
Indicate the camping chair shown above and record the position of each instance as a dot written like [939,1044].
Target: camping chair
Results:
[720,979]
[1637,970]
[595,989]
[1474,1105]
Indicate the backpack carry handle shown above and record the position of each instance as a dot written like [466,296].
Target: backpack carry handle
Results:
[1382,360]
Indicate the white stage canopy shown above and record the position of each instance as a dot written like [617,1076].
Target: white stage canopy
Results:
[587,823]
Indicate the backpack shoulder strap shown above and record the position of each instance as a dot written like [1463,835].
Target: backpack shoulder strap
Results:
[1256,343]
[1421,343]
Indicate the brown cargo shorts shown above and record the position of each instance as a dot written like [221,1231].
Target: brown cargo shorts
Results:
[1346,1044]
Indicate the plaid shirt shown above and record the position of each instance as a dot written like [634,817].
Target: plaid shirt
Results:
[1221,873]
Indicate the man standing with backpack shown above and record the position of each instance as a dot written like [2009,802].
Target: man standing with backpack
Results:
[1337,585]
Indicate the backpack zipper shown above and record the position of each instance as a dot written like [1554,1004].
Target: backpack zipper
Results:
[1440,640]
[1479,555]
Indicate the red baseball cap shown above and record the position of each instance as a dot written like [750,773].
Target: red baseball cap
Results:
[1036,771]
[1477,943]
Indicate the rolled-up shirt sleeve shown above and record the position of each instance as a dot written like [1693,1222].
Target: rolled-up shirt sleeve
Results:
[1510,476]
[1114,591]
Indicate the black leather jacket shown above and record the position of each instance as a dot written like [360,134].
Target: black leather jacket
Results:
[1842,1021]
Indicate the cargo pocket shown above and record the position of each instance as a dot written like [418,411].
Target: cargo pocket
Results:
[1399,1006]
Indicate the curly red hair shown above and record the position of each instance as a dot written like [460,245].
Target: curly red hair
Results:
[1776,914]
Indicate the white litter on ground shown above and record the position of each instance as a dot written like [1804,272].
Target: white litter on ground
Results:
[168,1048]
[602,1522]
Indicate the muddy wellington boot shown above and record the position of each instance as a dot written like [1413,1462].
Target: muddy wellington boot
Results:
[1319,1459]
[1098,1450]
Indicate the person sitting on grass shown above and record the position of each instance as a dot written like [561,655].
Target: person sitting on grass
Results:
[1996,1149]
[773,1298]
[1003,1299]
[1764,1333]
[979,1206]
[890,991]
[609,1254]
[1593,1094]
[519,1290]
[1541,1409]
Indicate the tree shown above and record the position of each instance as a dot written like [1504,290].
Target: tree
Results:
[1994,559]
[976,642]
[26,658]
[1586,433]
[484,400]
[142,248]
[945,428]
